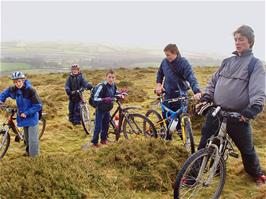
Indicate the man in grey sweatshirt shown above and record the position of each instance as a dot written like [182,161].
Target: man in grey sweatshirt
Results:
[238,87]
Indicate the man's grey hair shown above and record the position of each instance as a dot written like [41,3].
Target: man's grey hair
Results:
[247,32]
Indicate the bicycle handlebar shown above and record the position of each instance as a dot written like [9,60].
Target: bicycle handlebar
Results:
[223,113]
[7,108]
[120,96]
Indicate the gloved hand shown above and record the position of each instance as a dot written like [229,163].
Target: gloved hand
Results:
[205,98]
[89,87]
[203,107]
[252,111]
[107,100]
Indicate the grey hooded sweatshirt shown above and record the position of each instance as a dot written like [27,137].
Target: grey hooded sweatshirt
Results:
[232,89]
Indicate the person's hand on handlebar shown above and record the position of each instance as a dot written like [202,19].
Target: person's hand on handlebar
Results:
[159,89]
[243,119]
[107,100]
[197,96]
[123,91]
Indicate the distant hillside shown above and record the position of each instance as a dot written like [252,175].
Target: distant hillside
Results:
[58,56]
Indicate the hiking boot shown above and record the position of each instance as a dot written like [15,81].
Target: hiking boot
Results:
[26,154]
[95,145]
[104,142]
[261,180]
[76,123]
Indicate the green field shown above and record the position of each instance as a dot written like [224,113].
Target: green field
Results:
[5,67]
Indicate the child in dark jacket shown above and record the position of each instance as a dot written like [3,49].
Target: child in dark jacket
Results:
[104,99]
[28,105]
[75,81]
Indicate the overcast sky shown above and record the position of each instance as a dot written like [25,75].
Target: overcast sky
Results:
[194,26]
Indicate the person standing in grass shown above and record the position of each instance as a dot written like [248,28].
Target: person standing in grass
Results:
[103,98]
[239,86]
[75,81]
[29,106]
[172,77]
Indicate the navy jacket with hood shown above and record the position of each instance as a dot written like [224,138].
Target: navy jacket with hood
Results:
[174,82]
[76,82]
[104,90]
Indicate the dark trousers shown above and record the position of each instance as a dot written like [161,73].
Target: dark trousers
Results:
[74,111]
[102,120]
[241,134]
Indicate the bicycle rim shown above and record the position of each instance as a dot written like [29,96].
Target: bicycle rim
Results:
[191,184]
[4,143]
[85,118]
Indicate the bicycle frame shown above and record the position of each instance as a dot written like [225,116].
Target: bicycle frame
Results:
[122,113]
[170,114]
[10,121]
[221,150]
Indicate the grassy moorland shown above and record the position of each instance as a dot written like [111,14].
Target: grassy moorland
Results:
[128,169]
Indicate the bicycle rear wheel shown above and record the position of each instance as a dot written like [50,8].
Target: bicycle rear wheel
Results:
[136,125]
[42,126]
[85,117]
[191,181]
[4,142]
[158,122]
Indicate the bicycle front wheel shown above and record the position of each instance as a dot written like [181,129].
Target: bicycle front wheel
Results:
[187,135]
[4,142]
[136,125]
[198,178]
[85,118]
[158,122]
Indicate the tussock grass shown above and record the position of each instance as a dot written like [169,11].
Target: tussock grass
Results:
[127,169]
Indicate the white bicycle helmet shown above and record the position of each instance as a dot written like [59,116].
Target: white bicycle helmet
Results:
[17,75]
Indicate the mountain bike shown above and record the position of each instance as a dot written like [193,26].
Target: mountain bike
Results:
[167,125]
[130,124]
[84,111]
[203,174]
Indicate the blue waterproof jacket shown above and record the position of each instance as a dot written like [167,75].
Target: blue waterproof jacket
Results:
[28,102]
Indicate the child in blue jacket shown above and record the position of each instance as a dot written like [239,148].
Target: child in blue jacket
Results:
[28,105]
[104,99]
[75,81]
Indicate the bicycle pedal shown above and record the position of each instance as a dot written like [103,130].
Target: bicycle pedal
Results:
[233,154]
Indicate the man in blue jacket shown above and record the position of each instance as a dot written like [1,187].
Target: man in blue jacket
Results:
[173,75]
[75,81]
[28,105]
